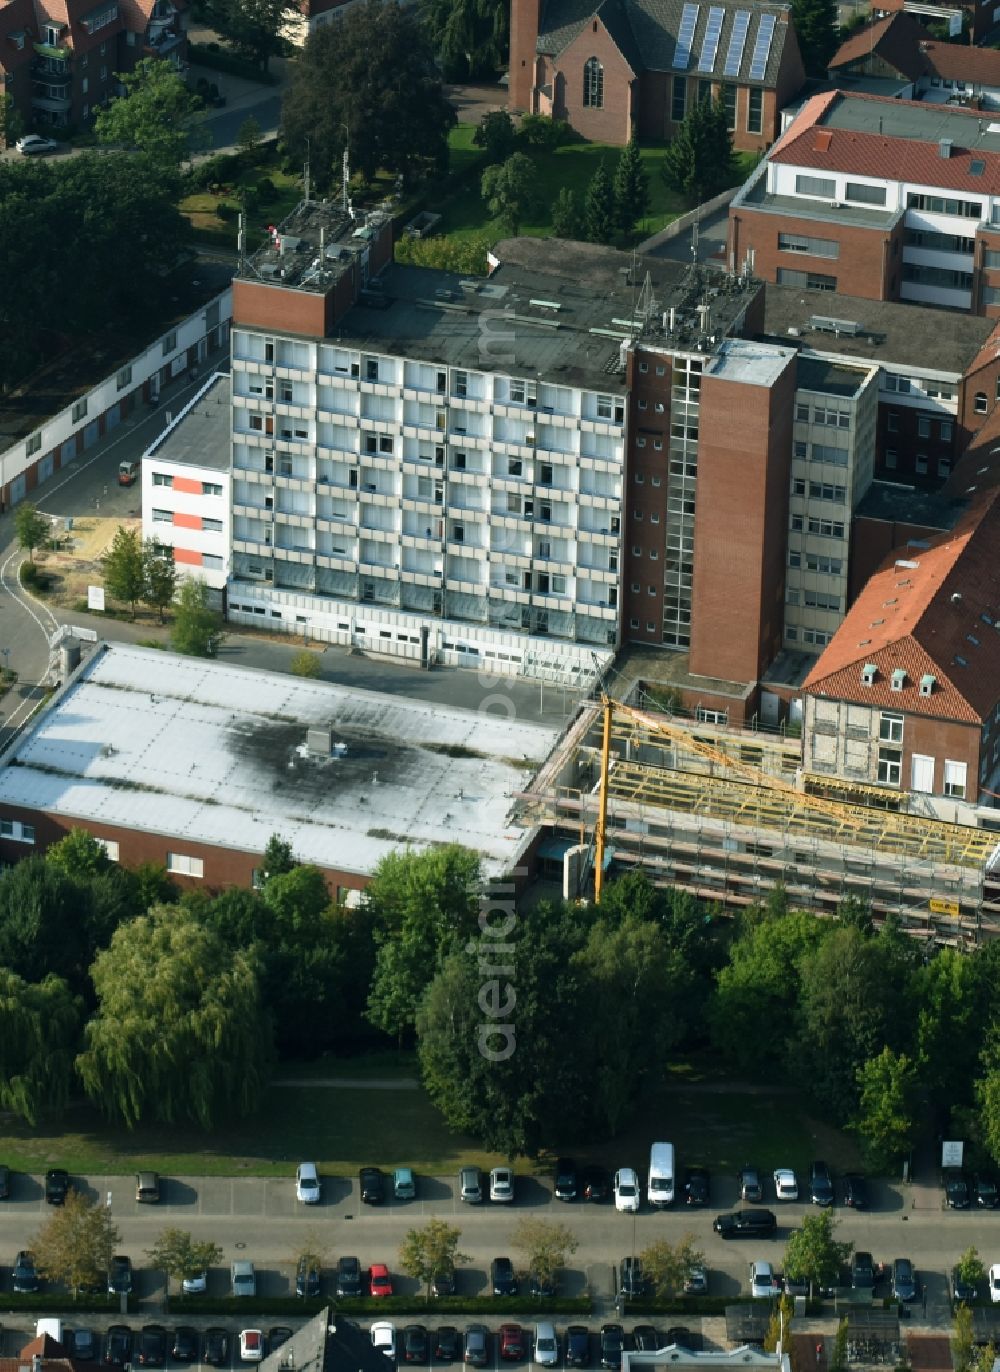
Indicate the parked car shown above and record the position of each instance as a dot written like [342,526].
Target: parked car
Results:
[696,1186]
[502,1184]
[646,1338]
[856,1191]
[470,1185]
[33,145]
[751,1186]
[682,1336]
[252,1345]
[503,1278]
[984,1189]
[626,1191]
[186,1344]
[443,1282]
[862,1270]
[379,1280]
[511,1343]
[348,1277]
[118,1346]
[383,1337]
[546,1344]
[216,1346]
[56,1185]
[147,1187]
[447,1344]
[196,1285]
[372,1186]
[696,1281]
[762,1282]
[962,1292]
[820,1184]
[82,1345]
[632,1279]
[307,1184]
[993,1277]
[278,1335]
[796,1286]
[244,1279]
[746,1224]
[120,1275]
[153,1346]
[566,1180]
[307,1278]
[404,1184]
[612,1345]
[25,1274]
[956,1190]
[415,1343]
[904,1281]
[786,1188]
[596,1183]
[577,1346]
[541,1288]
[477,1345]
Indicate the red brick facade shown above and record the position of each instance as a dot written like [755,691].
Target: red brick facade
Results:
[645,513]
[613,121]
[869,262]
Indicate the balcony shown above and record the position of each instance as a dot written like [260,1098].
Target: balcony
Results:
[54,104]
[162,40]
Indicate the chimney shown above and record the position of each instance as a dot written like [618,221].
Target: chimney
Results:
[944,148]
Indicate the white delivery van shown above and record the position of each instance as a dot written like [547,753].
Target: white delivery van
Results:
[660,1188]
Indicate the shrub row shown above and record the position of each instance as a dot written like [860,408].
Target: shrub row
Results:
[210,55]
[494,1306]
[699,1305]
[58,1302]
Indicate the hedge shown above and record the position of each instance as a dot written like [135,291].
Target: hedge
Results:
[60,1303]
[699,1305]
[201,55]
[385,1305]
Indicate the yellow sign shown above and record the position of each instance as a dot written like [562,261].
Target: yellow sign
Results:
[944,907]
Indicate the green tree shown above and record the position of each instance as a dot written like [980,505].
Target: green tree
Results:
[963,1340]
[79,855]
[159,576]
[813,1253]
[279,858]
[248,138]
[496,133]
[667,1265]
[970,1267]
[186,1040]
[156,115]
[947,1000]
[816,29]
[885,1120]
[197,626]
[11,122]
[305,664]
[471,36]
[781,1318]
[566,222]
[511,190]
[431,1251]
[373,72]
[75,1244]
[631,187]
[599,207]
[176,1254]
[39,1031]
[838,1356]
[699,161]
[31,527]
[124,568]
[40,926]
[253,27]
[544,1246]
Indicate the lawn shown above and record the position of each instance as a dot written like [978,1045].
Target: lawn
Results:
[201,208]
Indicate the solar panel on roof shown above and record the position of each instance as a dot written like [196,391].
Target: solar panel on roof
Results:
[762,47]
[685,36]
[737,42]
[710,43]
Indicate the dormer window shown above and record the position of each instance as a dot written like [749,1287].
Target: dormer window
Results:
[868,674]
[898,679]
[927,685]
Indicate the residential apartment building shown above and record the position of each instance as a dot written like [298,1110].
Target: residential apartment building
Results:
[897,47]
[880,198]
[968,19]
[642,66]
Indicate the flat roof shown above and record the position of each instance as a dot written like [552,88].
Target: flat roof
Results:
[918,120]
[199,435]
[554,309]
[889,333]
[897,503]
[313,246]
[755,364]
[757,197]
[216,754]
[829,378]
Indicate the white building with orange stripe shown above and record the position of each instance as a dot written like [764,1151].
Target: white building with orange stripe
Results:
[186,485]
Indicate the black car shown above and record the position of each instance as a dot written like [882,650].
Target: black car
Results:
[956,1190]
[750,1184]
[277,1335]
[82,1345]
[415,1343]
[25,1273]
[962,1292]
[477,1345]
[647,1340]
[153,1346]
[984,1189]
[696,1184]
[862,1270]
[612,1345]
[904,1281]
[746,1224]
[118,1346]
[856,1191]
[56,1185]
[447,1344]
[632,1279]
[577,1346]
[820,1184]
[502,1277]
[216,1346]
[541,1288]
[443,1282]
[596,1184]
[4,1182]
[682,1336]
[186,1344]
[566,1180]
[307,1277]
[348,1277]
[372,1183]
[120,1275]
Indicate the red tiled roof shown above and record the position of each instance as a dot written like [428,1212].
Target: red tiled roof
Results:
[962,62]
[896,39]
[891,158]
[933,613]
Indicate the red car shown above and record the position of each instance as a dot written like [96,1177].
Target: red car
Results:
[511,1342]
[379,1281]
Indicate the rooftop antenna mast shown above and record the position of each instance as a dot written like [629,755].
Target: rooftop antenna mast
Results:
[647,304]
[305,172]
[346,168]
[241,243]
[694,242]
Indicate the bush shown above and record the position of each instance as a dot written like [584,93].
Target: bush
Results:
[540,131]
[305,664]
[211,55]
[213,171]
[265,188]
[224,210]
[34,578]
[386,1305]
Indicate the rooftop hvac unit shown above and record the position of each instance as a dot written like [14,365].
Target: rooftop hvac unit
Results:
[290,244]
[270,271]
[826,324]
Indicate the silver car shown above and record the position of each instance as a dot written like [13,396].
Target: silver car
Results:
[546,1344]
[502,1184]
[470,1185]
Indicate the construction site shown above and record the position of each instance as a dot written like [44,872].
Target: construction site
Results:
[728,816]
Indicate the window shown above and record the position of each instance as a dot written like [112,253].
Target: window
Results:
[923,426]
[944,467]
[920,464]
[938,204]
[110,847]
[208,487]
[79,410]
[890,766]
[891,458]
[678,100]
[257,423]
[162,479]
[890,728]
[170,342]
[212,526]
[729,104]
[33,444]
[593,84]
[824,490]
[212,561]
[944,277]
[517,392]
[184,865]
[755,111]
[813,281]
[21,833]
[816,185]
[922,773]
[123,378]
[944,430]
[954,779]
[815,247]
[515,466]
[980,403]
[863,194]
[892,422]
[826,528]
[163,517]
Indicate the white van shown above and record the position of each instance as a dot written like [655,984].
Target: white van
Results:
[660,1190]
